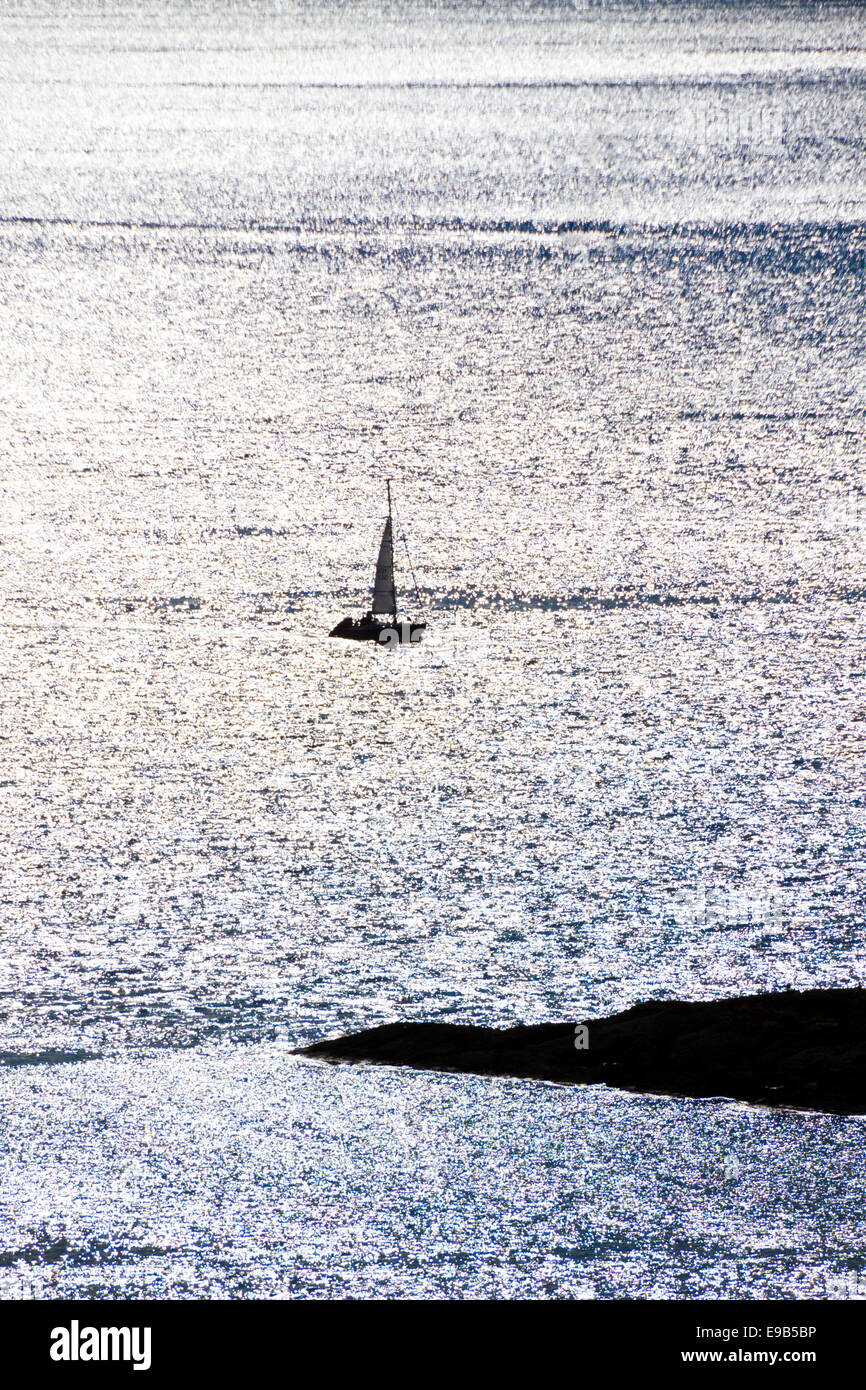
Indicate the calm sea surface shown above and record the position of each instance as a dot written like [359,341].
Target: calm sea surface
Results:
[588,284]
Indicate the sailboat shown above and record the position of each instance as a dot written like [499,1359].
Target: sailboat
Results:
[380,623]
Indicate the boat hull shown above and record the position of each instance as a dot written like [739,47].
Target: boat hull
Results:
[371,630]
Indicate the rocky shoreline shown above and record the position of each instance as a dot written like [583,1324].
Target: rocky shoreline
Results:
[800,1049]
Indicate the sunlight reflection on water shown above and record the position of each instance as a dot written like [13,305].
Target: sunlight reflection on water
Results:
[616,373]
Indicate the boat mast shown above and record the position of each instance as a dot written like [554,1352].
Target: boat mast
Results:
[391,530]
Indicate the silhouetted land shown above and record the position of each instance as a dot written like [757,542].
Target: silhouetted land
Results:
[805,1049]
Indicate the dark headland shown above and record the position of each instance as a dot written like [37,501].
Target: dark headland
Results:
[804,1049]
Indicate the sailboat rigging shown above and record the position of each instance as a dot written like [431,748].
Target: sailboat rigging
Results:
[380,623]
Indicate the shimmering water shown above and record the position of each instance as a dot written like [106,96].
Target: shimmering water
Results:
[588,284]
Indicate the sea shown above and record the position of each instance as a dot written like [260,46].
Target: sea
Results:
[585,281]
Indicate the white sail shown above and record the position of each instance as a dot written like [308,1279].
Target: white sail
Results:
[384,597]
